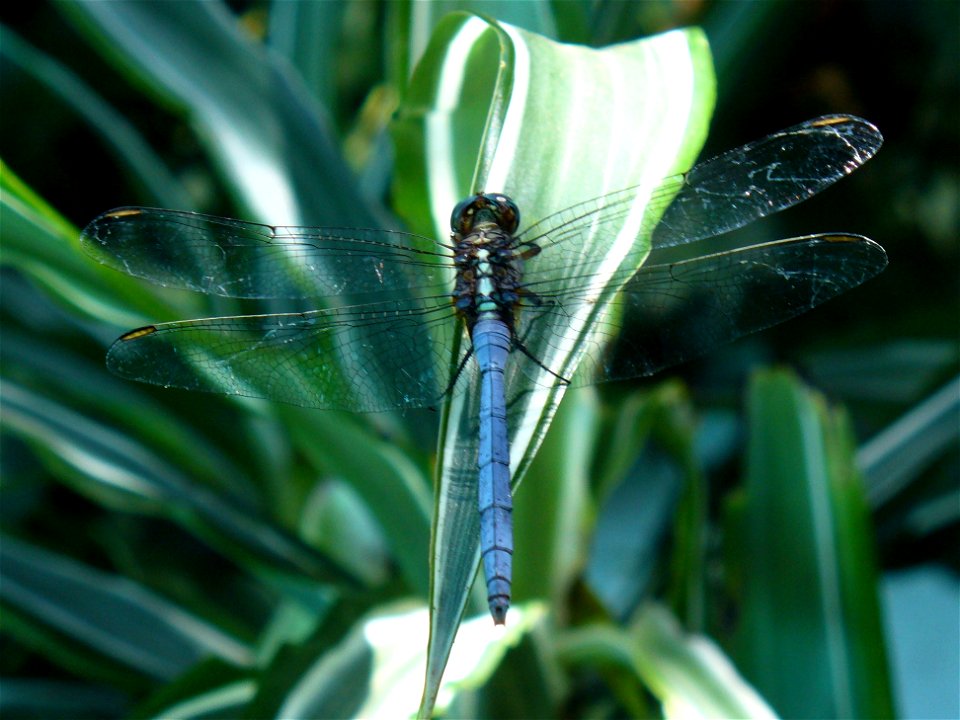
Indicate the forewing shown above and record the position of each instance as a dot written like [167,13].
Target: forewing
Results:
[241,259]
[766,176]
[716,196]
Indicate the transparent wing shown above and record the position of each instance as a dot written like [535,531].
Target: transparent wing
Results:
[766,176]
[241,259]
[363,358]
[716,196]
[670,313]
[248,260]
[396,352]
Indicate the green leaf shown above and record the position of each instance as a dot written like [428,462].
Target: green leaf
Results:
[810,636]
[273,144]
[304,34]
[209,689]
[648,485]
[548,516]
[45,247]
[895,457]
[117,471]
[688,673]
[395,491]
[121,619]
[416,22]
[128,146]
[496,108]
[66,378]
[375,671]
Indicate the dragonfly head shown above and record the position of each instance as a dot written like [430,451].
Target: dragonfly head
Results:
[494,208]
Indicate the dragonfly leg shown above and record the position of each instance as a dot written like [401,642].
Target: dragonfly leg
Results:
[518,344]
[456,377]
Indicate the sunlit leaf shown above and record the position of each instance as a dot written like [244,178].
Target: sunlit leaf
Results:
[496,108]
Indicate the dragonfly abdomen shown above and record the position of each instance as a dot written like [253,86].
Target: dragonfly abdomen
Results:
[491,346]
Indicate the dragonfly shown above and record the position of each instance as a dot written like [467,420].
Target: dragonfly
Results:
[405,320]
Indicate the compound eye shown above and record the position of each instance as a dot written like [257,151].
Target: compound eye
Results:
[461,219]
[514,214]
[508,214]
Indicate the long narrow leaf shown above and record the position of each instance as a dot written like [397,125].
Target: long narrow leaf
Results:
[495,108]
[273,143]
[104,464]
[810,638]
[114,615]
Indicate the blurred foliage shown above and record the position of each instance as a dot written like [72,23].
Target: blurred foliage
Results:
[166,552]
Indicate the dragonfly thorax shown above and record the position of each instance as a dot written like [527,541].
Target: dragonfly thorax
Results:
[489,274]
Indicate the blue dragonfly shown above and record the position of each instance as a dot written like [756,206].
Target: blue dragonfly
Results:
[405,320]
